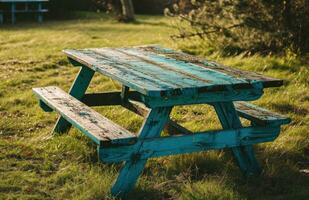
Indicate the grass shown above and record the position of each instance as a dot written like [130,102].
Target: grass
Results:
[36,165]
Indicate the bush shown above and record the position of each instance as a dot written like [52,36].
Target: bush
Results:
[245,25]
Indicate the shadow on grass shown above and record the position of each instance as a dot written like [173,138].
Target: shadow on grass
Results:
[151,23]
[147,194]
[282,177]
[81,23]
[290,108]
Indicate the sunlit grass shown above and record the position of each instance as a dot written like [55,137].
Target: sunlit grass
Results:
[36,165]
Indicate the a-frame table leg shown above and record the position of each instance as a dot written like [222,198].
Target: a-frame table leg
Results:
[77,90]
[152,127]
[244,155]
[13,12]
[40,14]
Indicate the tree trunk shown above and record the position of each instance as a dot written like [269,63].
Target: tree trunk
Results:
[127,10]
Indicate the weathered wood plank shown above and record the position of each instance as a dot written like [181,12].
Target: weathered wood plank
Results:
[237,73]
[188,98]
[150,70]
[133,104]
[260,115]
[133,79]
[77,90]
[98,128]
[244,155]
[191,70]
[133,167]
[249,111]
[113,98]
[159,72]
[181,144]
[171,126]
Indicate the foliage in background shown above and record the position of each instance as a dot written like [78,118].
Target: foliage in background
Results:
[60,9]
[123,10]
[151,6]
[140,7]
[241,25]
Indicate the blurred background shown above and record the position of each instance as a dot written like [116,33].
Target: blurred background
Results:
[60,8]
[234,25]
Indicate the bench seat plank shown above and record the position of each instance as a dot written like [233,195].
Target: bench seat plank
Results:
[260,115]
[155,71]
[98,128]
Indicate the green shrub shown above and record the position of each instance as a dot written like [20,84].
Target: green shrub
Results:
[241,25]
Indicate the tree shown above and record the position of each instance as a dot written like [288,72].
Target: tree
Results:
[123,9]
[127,10]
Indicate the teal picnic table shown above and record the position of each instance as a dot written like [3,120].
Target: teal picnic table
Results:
[154,80]
[28,6]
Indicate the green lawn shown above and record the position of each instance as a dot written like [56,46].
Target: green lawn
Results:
[35,165]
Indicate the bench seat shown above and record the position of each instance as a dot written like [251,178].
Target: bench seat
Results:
[100,129]
[260,116]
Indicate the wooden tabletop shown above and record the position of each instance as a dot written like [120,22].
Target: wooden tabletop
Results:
[153,70]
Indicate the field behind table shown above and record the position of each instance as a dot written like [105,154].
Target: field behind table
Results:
[35,165]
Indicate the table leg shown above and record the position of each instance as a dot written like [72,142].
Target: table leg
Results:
[244,155]
[40,14]
[77,90]
[124,93]
[1,18]
[152,127]
[13,12]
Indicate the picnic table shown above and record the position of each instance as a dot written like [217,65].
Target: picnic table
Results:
[154,80]
[29,6]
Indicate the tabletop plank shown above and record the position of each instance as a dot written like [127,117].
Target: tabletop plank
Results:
[153,70]
[234,72]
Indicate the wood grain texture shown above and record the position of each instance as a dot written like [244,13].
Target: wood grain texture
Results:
[260,115]
[101,130]
[234,72]
[152,127]
[114,98]
[197,142]
[159,72]
[253,113]
[190,97]
[77,90]
[244,154]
